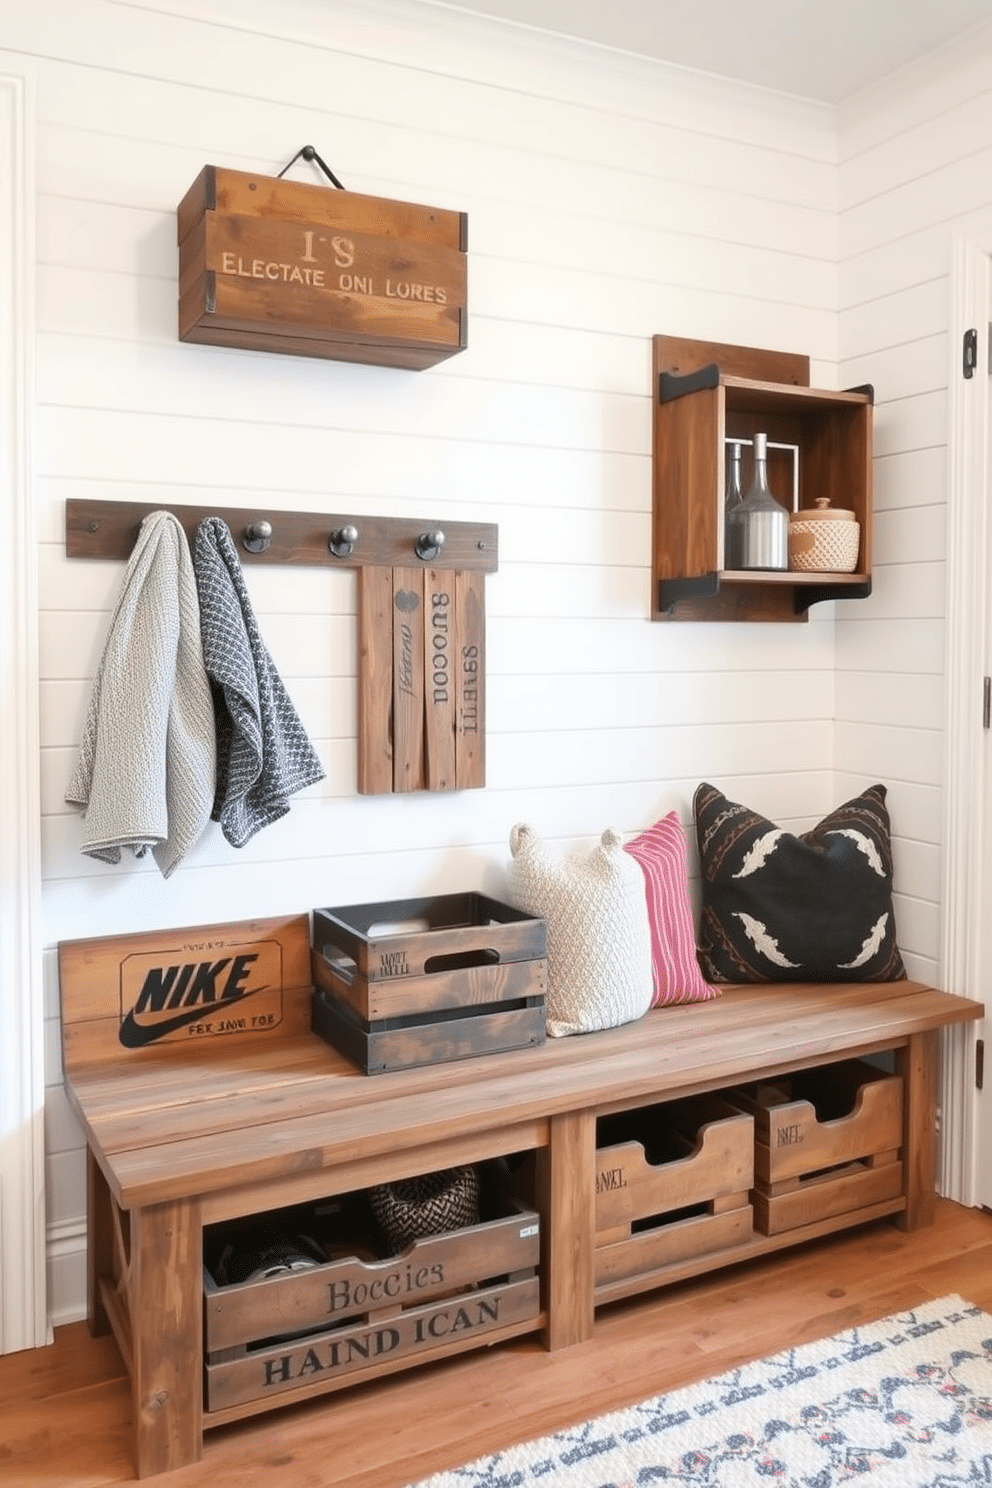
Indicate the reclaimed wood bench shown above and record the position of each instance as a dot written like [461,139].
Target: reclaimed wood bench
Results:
[206,1099]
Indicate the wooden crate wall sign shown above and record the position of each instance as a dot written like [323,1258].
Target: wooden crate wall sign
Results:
[272,265]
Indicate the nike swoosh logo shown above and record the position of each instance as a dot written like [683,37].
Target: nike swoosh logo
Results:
[135,1035]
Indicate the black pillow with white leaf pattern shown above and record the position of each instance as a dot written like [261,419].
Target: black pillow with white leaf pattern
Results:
[785,908]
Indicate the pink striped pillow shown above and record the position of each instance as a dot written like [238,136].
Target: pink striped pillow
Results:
[661,852]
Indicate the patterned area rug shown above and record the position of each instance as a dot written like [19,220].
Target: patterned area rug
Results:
[904,1403]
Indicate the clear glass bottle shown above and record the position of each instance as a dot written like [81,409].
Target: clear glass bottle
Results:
[731,507]
[763,521]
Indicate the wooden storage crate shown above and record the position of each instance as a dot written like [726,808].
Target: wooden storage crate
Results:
[827,1141]
[269,264]
[422,981]
[358,1317]
[672,1183]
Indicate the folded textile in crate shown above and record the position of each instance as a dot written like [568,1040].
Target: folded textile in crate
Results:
[431,1204]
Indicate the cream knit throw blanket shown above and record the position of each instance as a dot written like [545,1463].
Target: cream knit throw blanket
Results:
[146,768]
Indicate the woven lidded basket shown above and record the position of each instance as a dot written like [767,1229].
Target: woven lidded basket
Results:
[824,540]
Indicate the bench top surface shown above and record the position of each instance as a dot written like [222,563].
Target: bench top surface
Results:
[197,1118]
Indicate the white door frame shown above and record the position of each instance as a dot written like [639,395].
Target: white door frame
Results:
[965,858]
[23,1308]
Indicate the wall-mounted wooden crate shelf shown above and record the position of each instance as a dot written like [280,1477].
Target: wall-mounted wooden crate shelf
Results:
[705,393]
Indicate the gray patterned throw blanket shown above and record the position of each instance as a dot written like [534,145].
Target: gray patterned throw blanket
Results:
[263,753]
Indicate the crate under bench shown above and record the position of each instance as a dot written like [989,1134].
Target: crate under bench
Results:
[206,1100]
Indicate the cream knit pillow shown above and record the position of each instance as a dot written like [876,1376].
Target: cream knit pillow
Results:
[599,937]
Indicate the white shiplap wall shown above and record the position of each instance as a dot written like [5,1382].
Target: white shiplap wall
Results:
[914,170]
[607,200]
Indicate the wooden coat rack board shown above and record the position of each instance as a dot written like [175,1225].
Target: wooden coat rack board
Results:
[421,623]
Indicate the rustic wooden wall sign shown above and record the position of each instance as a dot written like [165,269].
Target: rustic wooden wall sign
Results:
[421,623]
[274,265]
[132,994]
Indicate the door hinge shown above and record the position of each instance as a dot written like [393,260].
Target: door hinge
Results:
[979,1064]
[969,358]
[986,702]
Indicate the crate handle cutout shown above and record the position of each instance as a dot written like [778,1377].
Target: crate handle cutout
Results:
[462,960]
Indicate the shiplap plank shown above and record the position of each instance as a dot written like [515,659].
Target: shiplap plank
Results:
[912,367]
[919,869]
[906,644]
[910,591]
[909,478]
[87,303]
[896,316]
[930,89]
[915,422]
[509,196]
[922,150]
[894,750]
[877,697]
[379,64]
[914,535]
[536,704]
[960,186]
[175,381]
[92,444]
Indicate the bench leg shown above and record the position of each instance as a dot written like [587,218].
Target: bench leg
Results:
[917,1063]
[567,1201]
[99,1244]
[165,1288]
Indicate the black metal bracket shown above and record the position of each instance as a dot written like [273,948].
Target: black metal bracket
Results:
[868,389]
[670,591]
[675,384]
[811,594]
[307,152]
[707,586]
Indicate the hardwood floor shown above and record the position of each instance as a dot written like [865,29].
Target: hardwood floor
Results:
[65,1411]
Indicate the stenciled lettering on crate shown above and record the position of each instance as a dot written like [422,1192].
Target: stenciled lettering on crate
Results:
[345,1318]
[134,993]
[371,1343]
[267,264]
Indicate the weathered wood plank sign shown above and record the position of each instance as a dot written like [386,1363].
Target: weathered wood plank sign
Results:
[274,265]
[421,690]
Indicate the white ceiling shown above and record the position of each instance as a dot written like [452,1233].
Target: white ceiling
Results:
[825,50]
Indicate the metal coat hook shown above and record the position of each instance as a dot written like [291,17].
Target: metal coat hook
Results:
[343,541]
[429,545]
[258,536]
[309,153]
